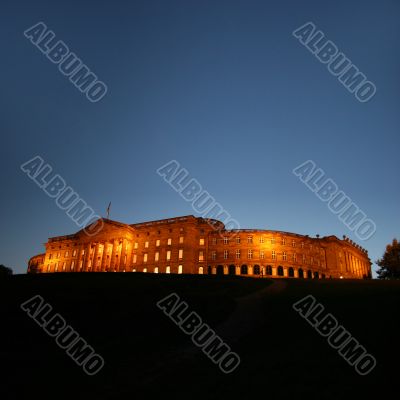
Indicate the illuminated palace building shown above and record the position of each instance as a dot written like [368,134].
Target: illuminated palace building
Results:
[191,245]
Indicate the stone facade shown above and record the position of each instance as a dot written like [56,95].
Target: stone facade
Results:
[192,245]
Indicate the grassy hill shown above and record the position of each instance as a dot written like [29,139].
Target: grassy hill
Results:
[146,355]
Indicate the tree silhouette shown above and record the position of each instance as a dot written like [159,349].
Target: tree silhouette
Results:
[5,271]
[390,262]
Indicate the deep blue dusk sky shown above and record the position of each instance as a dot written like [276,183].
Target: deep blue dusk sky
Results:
[221,86]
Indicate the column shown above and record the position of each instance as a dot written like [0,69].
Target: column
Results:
[122,264]
[113,252]
[296,273]
[95,255]
[285,272]
[273,271]
[104,258]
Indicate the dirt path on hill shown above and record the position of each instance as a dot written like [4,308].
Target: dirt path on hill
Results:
[247,315]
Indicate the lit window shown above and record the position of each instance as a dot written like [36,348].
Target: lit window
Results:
[250,254]
[158,243]
[169,242]
[201,242]
[180,239]
[213,255]
[238,239]
[168,255]
[226,253]
[262,254]
[74,253]
[168,270]
[144,269]
[66,254]
[134,258]
[72,265]
[136,245]
[249,239]
[180,269]
[56,268]
[180,254]
[145,257]
[284,256]
[156,270]
[146,245]
[273,254]
[156,256]
[237,253]
[226,240]
[201,255]
[261,239]
[64,265]
[293,243]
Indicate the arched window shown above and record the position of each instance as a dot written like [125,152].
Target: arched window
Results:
[156,270]
[280,270]
[180,269]
[301,273]
[168,270]
[201,270]
[220,269]
[232,270]
[309,274]
[243,269]
[268,270]
[209,270]
[256,270]
[291,272]
[316,275]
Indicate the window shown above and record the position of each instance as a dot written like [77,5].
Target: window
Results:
[304,258]
[238,239]
[294,257]
[283,241]
[284,256]
[226,253]
[261,239]
[293,243]
[237,253]
[273,254]
[156,256]
[134,258]
[56,268]
[272,240]
[136,245]
[146,244]
[214,240]
[201,242]
[168,255]
[158,243]
[250,239]
[50,256]
[64,265]
[180,269]
[58,255]
[226,241]
[180,254]
[144,269]
[145,257]
[201,255]
[72,265]
[168,270]
[180,239]
[74,253]
[156,270]
[250,254]
[66,254]
[169,241]
[262,254]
